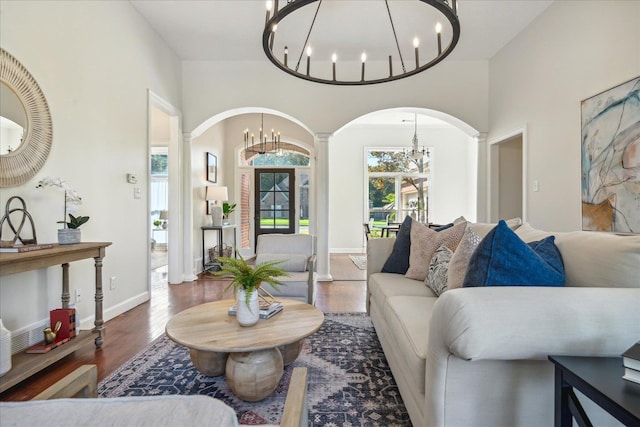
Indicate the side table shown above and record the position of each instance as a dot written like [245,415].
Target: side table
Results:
[599,379]
[220,230]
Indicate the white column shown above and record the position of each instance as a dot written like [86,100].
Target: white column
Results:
[176,169]
[483,180]
[322,205]
[189,270]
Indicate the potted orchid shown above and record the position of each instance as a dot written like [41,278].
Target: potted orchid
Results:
[70,233]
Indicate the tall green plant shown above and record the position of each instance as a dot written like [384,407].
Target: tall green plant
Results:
[250,278]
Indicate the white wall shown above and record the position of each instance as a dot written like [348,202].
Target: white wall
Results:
[450,173]
[572,51]
[94,62]
[458,88]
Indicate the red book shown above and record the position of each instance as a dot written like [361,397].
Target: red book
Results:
[67,316]
[41,347]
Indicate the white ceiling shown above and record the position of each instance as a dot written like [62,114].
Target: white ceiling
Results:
[231,30]
[228,30]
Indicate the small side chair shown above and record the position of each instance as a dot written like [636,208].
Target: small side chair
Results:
[298,255]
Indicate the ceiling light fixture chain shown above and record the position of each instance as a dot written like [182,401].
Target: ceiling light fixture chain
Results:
[276,14]
[306,41]
[395,36]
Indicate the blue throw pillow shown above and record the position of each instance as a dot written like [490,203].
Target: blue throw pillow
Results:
[503,259]
[398,261]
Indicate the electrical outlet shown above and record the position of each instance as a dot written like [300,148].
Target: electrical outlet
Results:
[112,283]
[77,295]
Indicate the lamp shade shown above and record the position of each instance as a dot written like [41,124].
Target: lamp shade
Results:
[164,215]
[217,193]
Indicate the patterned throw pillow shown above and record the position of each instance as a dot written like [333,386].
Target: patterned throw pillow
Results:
[503,259]
[460,259]
[424,243]
[437,277]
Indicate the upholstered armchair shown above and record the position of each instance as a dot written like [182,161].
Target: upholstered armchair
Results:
[298,255]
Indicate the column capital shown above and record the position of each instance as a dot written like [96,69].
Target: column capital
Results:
[323,136]
[481,137]
[187,137]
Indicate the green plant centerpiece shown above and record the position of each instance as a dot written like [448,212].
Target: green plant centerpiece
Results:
[227,209]
[250,278]
[246,282]
[157,223]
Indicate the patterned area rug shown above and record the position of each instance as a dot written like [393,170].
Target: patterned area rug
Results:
[350,383]
[360,261]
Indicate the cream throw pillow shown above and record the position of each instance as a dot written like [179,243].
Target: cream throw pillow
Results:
[424,243]
[460,259]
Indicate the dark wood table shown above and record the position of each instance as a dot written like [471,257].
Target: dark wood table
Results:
[599,379]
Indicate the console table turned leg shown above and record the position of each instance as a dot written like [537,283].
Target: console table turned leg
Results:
[99,297]
[66,296]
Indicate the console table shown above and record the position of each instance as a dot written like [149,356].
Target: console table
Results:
[25,365]
[599,379]
[219,229]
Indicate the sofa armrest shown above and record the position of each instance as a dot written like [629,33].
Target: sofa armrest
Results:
[295,412]
[311,281]
[512,323]
[83,382]
[378,250]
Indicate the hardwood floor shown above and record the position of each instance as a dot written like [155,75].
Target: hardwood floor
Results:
[129,333]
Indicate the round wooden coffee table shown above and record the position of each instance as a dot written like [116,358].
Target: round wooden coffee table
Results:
[252,358]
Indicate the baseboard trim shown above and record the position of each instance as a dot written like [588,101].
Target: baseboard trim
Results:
[118,309]
[360,250]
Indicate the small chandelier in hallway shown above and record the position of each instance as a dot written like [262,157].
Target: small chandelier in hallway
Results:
[414,152]
[263,145]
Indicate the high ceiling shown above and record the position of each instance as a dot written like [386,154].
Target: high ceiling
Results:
[231,30]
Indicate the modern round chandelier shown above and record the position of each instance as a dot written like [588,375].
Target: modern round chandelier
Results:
[316,40]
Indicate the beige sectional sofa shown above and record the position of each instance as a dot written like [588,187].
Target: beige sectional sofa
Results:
[478,356]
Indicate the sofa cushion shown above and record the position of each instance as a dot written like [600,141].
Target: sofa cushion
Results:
[166,410]
[424,243]
[398,261]
[295,285]
[594,259]
[437,277]
[385,285]
[483,228]
[503,259]
[460,258]
[407,319]
[289,262]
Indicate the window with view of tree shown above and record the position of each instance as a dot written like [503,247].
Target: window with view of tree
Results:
[398,185]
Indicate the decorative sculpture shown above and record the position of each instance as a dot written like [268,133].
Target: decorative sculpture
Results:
[17,231]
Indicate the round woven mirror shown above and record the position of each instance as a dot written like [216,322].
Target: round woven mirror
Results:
[22,160]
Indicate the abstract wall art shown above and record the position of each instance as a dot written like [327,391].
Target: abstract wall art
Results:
[610,150]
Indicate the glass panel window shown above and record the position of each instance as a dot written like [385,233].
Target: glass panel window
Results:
[398,185]
[304,203]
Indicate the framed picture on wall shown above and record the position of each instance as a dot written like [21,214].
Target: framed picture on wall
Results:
[212,168]
[611,160]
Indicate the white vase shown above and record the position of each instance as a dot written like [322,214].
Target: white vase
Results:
[247,315]
[69,236]
[5,349]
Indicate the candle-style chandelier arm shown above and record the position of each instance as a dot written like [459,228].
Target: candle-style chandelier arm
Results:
[264,145]
[276,14]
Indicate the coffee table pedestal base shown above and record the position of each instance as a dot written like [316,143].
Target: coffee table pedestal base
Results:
[253,376]
[209,363]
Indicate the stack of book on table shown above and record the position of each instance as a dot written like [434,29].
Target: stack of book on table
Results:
[631,362]
[267,309]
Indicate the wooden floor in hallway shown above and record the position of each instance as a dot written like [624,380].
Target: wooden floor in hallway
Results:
[129,333]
